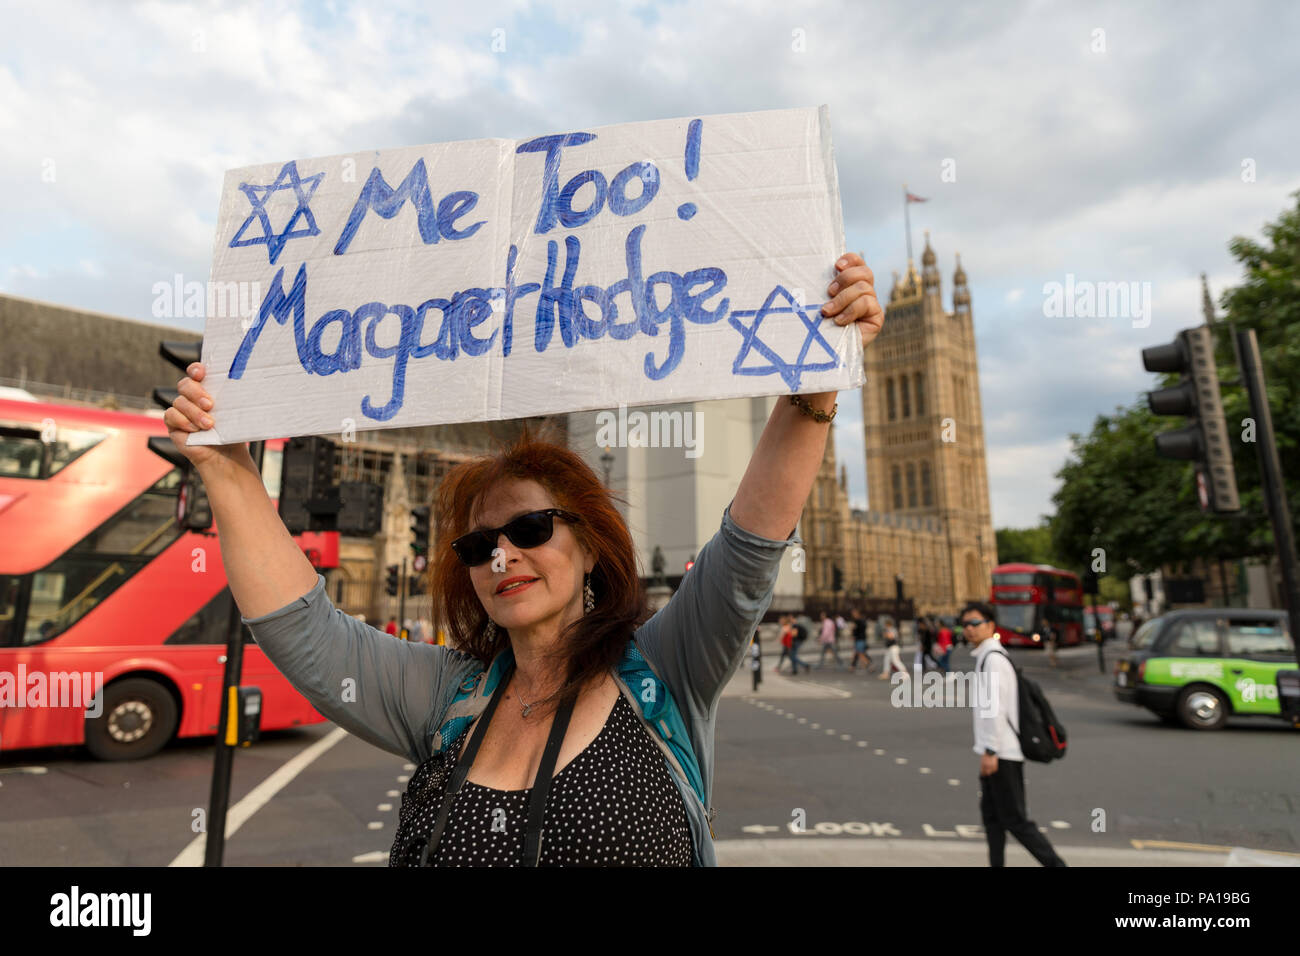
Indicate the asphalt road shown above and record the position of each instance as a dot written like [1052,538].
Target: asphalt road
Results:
[826,752]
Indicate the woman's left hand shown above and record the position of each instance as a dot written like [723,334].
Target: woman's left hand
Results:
[853,297]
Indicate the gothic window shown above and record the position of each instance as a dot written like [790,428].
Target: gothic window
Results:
[920,394]
[889,399]
[897,477]
[911,485]
[906,394]
[927,495]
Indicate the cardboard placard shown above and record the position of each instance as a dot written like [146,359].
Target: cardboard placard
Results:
[639,264]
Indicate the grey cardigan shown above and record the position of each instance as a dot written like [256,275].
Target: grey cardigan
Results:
[394,694]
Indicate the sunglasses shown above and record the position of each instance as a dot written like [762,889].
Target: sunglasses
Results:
[527,531]
[975,623]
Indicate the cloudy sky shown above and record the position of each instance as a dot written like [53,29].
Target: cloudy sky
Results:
[1116,143]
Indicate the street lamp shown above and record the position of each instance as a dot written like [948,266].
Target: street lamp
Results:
[607,461]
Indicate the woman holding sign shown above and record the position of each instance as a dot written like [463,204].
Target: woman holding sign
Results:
[566,728]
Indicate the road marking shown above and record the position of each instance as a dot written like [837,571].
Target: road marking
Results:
[953,782]
[408,766]
[900,760]
[374,825]
[34,771]
[1060,825]
[879,752]
[846,736]
[830,733]
[385,807]
[260,795]
[759,828]
[403,779]
[924,769]
[1169,845]
[378,856]
[816,726]
[803,720]
[863,743]
[393,793]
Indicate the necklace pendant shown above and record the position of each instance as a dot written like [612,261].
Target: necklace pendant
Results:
[527,710]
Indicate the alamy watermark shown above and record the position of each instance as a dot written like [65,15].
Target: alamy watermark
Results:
[975,689]
[41,689]
[199,300]
[1084,299]
[657,429]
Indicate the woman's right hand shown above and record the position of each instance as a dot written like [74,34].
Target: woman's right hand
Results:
[191,412]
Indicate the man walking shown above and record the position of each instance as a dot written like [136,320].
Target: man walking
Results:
[829,639]
[1002,763]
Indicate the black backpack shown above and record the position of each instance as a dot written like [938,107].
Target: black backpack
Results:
[1042,736]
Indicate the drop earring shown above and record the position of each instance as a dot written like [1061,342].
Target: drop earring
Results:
[490,632]
[588,595]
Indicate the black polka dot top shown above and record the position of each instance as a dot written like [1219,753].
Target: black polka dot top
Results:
[613,805]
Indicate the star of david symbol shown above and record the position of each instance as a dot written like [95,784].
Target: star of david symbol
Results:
[257,197]
[790,372]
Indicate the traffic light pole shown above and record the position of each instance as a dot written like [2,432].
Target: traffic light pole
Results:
[401,599]
[224,753]
[1270,470]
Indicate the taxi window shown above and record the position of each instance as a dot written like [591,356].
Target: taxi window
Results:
[1145,633]
[1259,639]
[1196,638]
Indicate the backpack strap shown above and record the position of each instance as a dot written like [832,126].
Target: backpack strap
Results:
[1015,670]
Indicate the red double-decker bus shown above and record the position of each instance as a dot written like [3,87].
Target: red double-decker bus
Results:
[103,593]
[1028,597]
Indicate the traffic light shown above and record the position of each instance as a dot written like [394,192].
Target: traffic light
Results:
[193,510]
[392,579]
[420,530]
[1196,396]
[361,508]
[309,499]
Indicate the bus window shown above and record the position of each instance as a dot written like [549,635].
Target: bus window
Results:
[72,585]
[71,444]
[1022,618]
[21,452]
[8,609]
[1013,579]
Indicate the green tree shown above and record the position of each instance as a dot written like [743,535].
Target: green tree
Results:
[1029,545]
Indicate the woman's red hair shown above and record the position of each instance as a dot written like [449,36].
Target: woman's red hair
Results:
[596,641]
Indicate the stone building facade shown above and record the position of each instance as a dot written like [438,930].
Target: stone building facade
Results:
[927,478]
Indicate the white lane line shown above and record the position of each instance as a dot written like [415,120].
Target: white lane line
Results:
[900,760]
[879,752]
[374,825]
[863,743]
[830,733]
[35,771]
[952,782]
[924,770]
[815,726]
[803,720]
[385,807]
[403,779]
[1060,825]
[393,793]
[408,766]
[377,856]
[846,736]
[259,796]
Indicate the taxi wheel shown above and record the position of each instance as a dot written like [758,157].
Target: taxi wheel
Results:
[139,717]
[1202,708]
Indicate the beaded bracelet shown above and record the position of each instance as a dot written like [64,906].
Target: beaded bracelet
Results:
[816,413]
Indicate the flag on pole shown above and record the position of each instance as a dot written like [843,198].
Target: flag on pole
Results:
[912,197]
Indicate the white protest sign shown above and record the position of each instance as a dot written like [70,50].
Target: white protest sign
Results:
[640,264]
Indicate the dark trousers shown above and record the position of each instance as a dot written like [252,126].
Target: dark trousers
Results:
[1002,805]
